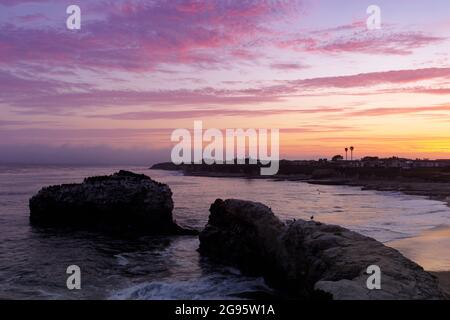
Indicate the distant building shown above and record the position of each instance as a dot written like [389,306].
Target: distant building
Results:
[396,162]
[374,162]
[431,163]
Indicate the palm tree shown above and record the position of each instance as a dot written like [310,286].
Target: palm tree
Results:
[346,154]
[351,152]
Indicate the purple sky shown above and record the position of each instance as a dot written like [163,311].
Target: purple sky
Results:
[115,89]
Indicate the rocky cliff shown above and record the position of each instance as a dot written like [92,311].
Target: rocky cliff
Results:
[307,259]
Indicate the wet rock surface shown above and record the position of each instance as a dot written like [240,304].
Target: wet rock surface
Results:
[122,202]
[308,259]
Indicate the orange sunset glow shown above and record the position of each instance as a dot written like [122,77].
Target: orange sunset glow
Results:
[132,74]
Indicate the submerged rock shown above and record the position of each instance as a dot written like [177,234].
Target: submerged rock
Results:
[122,202]
[307,259]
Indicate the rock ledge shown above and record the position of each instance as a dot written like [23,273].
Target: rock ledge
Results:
[307,259]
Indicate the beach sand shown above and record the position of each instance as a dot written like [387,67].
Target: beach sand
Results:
[430,250]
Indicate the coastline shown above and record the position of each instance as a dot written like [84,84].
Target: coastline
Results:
[175,249]
[424,247]
[439,191]
[433,190]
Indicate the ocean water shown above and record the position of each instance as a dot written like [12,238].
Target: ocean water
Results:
[33,261]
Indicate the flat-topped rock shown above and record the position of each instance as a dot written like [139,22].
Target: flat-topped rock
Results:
[307,259]
[121,202]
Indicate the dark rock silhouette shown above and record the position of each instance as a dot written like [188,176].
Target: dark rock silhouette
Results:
[308,259]
[122,202]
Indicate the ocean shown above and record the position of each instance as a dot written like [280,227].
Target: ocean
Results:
[33,261]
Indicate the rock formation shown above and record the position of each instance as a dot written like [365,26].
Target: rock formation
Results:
[122,202]
[307,259]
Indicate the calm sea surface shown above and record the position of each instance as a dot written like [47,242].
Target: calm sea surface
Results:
[33,261]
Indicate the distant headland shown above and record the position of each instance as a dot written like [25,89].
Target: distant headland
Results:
[412,176]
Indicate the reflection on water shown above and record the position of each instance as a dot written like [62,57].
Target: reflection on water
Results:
[33,261]
[430,249]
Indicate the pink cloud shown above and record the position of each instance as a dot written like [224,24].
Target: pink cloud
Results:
[319,129]
[13,87]
[200,113]
[399,111]
[139,36]
[14,123]
[61,102]
[355,38]
[394,77]
[393,44]
[376,78]
[17,2]
[436,91]
[43,96]
[288,66]
[32,17]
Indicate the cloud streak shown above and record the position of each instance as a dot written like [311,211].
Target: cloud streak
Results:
[201,113]
[392,43]
[399,111]
[286,63]
[46,96]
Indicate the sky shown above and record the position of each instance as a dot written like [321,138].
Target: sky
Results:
[113,91]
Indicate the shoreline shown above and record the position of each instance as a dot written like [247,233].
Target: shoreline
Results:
[432,190]
[423,248]
[439,191]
